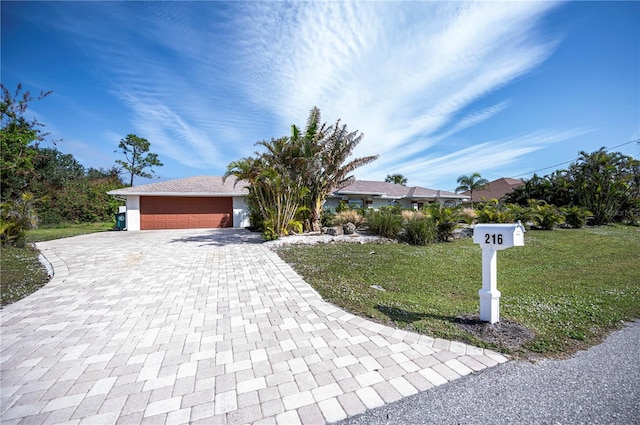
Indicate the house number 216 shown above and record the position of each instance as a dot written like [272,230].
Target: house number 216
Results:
[494,239]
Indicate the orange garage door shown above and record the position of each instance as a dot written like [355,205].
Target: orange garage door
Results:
[166,212]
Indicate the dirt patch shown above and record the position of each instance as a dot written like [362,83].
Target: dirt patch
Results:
[505,333]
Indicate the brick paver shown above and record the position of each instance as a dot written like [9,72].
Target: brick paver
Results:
[201,326]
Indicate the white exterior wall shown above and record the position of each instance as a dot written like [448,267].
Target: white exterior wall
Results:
[377,202]
[240,212]
[133,213]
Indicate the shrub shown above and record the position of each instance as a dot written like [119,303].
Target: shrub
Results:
[411,214]
[419,230]
[326,217]
[576,217]
[493,212]
[348,216]
[342,206]
[385,222]
[16,217]
[545,216]
[446,220]
[468,215]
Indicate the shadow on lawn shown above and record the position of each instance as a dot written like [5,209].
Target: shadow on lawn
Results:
[400,315]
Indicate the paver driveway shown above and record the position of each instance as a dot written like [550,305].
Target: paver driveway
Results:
[201,326]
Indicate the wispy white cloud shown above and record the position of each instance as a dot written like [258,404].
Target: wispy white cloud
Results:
[204,81]
[431,169]
[404,75]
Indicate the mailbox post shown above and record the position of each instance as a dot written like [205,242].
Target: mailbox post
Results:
[492,238]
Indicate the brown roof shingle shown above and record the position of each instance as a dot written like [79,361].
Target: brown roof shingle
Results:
[194,186]
[392,190]
[495,189]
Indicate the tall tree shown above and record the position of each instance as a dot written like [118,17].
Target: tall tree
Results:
[19,139]
[324,155]
[471,182]
[311,162]
[138,160]
[396,179]
[604,183]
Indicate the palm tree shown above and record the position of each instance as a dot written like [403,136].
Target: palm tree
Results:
[396,179]
[471,182]
[304,168]
[321,162]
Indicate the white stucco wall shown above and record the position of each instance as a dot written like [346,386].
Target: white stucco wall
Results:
[240,212]
[133,213]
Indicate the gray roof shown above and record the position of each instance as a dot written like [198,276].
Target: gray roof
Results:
[189,186]
[394,191]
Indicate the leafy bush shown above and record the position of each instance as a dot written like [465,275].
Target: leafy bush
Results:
[446,220]
[545,216]
[493,212]
[348,216]
[576,217]
[16,217]
[326,217]
[385,222]
[342,206]
[419,230]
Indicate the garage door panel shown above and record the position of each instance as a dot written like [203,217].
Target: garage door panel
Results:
[163,212]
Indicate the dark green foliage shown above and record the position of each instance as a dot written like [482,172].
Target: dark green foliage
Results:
[545,216]
[419,231]
[19,138]
[445,218]
[396,179]
[604,183]
[470,183]
[16,217]
[576,217]
[386,222]
[70,193]
[327,216]
[607,184]
[495,212]
[138,160]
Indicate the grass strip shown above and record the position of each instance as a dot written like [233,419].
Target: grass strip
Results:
[21,273]
[569,287]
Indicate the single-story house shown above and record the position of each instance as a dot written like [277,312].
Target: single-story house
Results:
[210,202]
[494,189]
[188,203]
[376,194]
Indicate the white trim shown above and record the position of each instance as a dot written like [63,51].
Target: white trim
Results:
[133,213]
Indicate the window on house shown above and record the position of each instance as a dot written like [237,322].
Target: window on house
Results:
[449,203]
[356,203]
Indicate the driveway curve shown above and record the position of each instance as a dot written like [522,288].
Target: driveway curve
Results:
[201,326]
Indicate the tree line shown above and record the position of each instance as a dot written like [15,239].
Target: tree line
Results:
[46,186]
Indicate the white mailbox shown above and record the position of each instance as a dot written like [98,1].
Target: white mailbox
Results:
[499,236]
[494,237]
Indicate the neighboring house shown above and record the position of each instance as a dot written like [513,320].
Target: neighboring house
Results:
[494,189]
[208,202]
[376,194]
[189,203]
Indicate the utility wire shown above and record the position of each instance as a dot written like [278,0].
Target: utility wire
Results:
[567,162]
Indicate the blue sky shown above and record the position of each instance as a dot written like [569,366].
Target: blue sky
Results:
[439,89]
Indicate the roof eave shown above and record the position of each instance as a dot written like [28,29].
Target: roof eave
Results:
[178,194]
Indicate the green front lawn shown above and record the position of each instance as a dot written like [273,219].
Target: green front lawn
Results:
[570,287]
[20,271]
